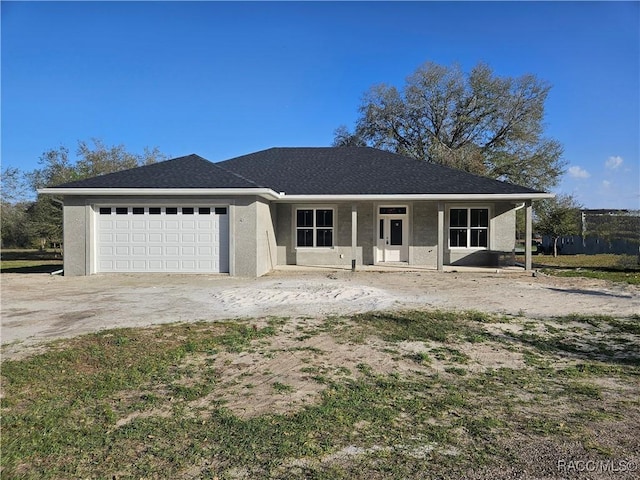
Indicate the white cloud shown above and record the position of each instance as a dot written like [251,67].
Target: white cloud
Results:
[613,162]
[606,184]
[578,172]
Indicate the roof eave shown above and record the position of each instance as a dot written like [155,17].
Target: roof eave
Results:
[266,193]
[450,197]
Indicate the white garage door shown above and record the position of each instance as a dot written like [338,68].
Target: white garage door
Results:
[162,239]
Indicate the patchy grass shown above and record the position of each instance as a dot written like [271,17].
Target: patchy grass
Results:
[615,268]
[150,402]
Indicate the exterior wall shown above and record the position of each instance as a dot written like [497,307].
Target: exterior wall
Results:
[341,253]
[424,246]
[266,248]
[76,237]
[502,234]
[284,234]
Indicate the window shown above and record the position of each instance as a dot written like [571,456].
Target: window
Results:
[468,227]
[122,210]
[187,210]
[138,210]
[105,210]
[171,210]
[154,210]
[220,210]
[204,211]
[393,210]
[314,227]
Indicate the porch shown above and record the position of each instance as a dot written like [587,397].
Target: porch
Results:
[403,235]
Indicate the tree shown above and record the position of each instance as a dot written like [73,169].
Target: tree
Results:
[13,209]
[477,122]
[45,215]
[557,217]
[342,137]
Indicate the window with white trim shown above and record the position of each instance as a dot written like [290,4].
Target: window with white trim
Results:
[314,227]
[469,227]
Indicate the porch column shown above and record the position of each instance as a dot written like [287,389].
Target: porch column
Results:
[527,235]
[354,235]
[441,236]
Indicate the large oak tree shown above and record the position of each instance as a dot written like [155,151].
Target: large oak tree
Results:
[477,121]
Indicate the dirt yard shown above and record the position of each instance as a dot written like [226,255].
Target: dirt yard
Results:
[40,307]
[532,377]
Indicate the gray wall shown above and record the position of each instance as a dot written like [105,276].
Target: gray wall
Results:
[502,234]
[76,236]
[341,253]
[424,221]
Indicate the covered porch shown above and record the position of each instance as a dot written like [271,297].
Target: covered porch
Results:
[402,234]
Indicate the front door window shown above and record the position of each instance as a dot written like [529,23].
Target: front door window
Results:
[396,232]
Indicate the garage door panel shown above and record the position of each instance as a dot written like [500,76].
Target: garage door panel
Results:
[172,265]
[162,241]
[105,238]
[154,265]
[140,251]
[188,265]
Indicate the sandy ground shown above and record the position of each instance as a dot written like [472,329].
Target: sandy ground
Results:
[39,307]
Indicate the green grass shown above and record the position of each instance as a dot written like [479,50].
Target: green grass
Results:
[148,402]
[615,268]
[439,326]
[29,261]
[632,278]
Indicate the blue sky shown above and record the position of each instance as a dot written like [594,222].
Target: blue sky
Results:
[224,79]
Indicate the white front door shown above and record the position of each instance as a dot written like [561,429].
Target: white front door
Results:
[393,245]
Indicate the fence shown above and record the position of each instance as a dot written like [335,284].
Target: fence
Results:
[576,244]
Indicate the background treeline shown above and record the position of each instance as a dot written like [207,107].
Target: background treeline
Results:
[35,221]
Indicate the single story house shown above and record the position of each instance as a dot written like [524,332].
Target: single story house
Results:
[288,206]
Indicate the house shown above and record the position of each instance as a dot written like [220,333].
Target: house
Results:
[288,206]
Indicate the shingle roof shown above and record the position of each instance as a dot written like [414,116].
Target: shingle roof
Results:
[191,171]
[307,171]
[358,170]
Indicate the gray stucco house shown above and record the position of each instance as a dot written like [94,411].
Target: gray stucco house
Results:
[288,206]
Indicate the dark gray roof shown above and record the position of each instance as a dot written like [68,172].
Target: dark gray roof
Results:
[191,171]
[307,171]
[358,170]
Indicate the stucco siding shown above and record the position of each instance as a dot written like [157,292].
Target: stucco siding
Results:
[423,249]
[76,237]
[266,248]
